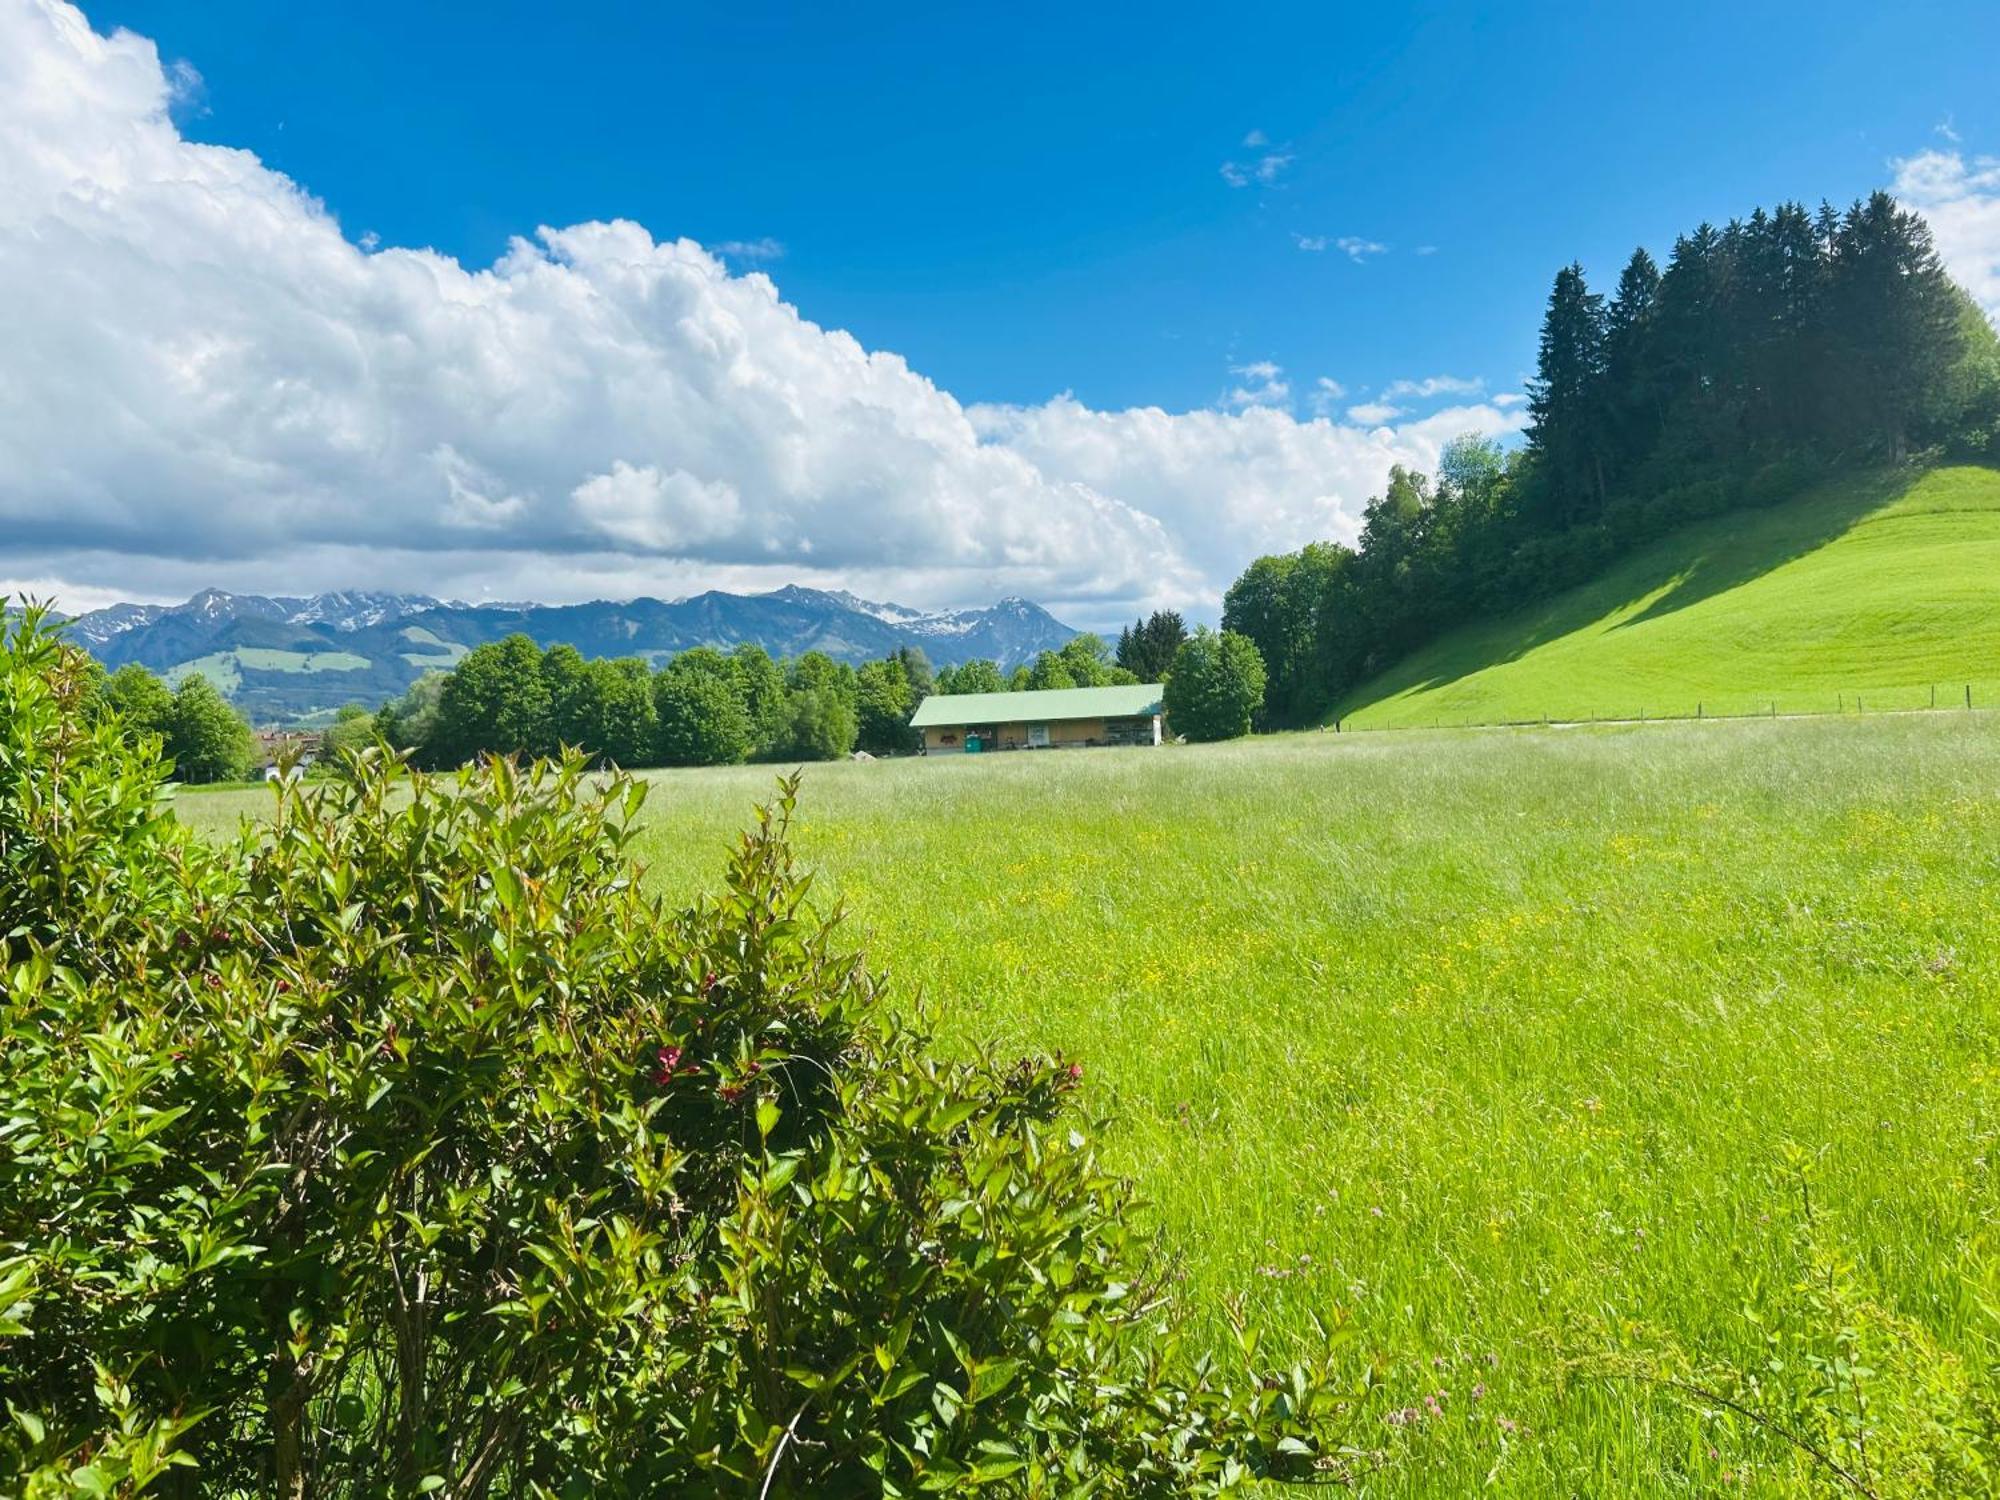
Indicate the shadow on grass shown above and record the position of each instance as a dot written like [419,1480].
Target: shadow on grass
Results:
[1760,542]
[1683,568]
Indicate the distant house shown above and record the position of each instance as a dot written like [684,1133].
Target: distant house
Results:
[278,749]
[1050,719]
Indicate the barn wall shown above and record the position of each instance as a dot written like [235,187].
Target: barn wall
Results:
[1062,732]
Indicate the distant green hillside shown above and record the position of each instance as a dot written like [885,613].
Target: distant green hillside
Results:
[1881,586]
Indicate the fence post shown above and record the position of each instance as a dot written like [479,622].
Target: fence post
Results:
[1968,697]
[1934,695]
[1697,710]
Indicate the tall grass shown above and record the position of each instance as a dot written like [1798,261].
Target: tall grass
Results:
[1519,1056]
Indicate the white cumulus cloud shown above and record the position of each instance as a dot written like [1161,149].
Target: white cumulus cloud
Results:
[203,379]
[1259,478]
[1374,413]
[1264,384]
[1960,197]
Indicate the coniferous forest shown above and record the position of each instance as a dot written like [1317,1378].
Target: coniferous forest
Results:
[1762,356]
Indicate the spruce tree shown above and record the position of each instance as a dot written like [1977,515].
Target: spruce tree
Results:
[1565,399]
[1634,402]
[1895,320]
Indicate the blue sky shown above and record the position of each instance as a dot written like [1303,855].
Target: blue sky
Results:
[1085,304]
[1032,203]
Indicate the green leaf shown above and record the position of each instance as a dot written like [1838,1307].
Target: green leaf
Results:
[990,1378]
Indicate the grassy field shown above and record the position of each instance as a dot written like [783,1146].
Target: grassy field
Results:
[1519,1054]
[225,668]
[1877,589]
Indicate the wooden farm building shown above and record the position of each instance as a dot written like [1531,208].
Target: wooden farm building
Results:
[1048,719]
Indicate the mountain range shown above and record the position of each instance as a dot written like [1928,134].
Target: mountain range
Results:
[289,659]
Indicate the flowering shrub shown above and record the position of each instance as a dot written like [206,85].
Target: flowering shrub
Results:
[408,1146]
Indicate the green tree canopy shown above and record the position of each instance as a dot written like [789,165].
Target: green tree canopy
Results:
[567,682]
[701,718]
[1566,428]
[615,717]
[761,682]
[1088,660]
[1215,687]
[207,738]
[143,704]
[495,701]
[815,671]
[409,724]
[353,729]
[1146,648]
[1051,670]
[976,676]
[885,699]
[916,670]
[820,724]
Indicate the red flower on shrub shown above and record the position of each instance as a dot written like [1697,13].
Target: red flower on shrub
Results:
[669,1059]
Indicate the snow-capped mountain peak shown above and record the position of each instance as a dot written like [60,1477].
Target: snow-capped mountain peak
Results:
[356,609]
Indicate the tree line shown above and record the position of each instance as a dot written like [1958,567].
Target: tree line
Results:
[1764,355]
[706,706]
[703,707]
[709,707]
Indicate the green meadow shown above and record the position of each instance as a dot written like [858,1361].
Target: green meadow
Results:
[1624,1099]
[225,668]
[1877,589]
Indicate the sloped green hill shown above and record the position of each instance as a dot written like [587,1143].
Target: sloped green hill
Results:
[1880,588]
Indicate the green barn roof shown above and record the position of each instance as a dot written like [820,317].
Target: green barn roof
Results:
[1043,706]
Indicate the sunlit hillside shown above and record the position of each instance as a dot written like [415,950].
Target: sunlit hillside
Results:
[1876,590]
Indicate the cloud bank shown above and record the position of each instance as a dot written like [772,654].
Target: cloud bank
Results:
[203,379]
[1961,199]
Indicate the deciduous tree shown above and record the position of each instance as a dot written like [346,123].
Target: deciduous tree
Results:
[207,738]
[1215,687]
